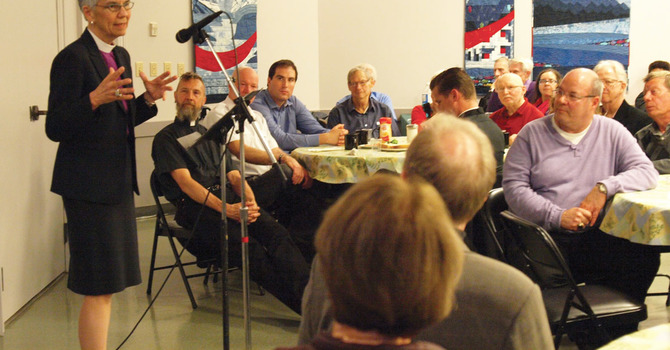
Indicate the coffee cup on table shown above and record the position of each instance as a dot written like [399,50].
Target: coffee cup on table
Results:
[350,141]
[363,136]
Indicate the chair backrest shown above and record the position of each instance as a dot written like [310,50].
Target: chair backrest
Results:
[157,193]
[543,261]
[487,228]
[495,205]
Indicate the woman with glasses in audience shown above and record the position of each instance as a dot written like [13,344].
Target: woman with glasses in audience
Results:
[92,113]
[547,82]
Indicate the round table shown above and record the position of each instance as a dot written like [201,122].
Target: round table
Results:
[333,164]
[657,337]
[641,217]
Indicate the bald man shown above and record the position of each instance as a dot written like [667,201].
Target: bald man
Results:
[516,111]
[559,174]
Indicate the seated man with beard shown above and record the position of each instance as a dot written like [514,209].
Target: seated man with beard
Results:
[190,180]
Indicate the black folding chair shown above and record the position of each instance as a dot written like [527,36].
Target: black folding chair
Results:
[662,249]
[167,227]
[571,308]
[493,225]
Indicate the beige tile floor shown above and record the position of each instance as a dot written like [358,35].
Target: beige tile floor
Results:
[50,322]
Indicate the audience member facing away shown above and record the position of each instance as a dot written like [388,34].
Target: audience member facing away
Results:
[546,84]
[371,72]
[559,174]
[297,210]
[516,111]
[498,307]
[391,260]
[453,92]
[286,115]
[189,179]
[613,76]
[360,111]
[655,138]
[523,67]
[491,102]
[653,66]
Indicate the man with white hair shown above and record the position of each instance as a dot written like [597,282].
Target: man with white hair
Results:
[614,78]
[516,111]
[371,72]
[655,138]
[360,111]
[523,67]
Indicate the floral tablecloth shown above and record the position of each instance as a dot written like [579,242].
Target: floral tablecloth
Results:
[332,164]
[641,217]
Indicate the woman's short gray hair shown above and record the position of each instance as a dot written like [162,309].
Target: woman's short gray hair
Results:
[89,3]
[616,66]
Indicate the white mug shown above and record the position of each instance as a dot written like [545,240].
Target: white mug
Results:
[412,130]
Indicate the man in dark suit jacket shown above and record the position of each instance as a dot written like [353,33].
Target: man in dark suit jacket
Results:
[453,92]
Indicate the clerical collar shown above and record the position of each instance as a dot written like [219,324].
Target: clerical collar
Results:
[185,122]
[102,46]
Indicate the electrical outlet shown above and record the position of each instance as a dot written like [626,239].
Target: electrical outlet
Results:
[167,66]
[180,69]
[139,68]
[153,69]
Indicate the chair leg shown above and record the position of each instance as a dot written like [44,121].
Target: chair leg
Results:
[182,273]
[667,300]
[153,259]
[207,272]
[557,338]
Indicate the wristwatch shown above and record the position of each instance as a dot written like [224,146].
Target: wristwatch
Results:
[602,188]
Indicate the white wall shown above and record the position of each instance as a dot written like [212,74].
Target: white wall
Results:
[290,29]
[648,40]
[406,41]
[171,15]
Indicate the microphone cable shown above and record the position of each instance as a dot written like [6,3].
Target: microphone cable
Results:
[195,224]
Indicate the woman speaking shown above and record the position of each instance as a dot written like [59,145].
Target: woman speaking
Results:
[92,114]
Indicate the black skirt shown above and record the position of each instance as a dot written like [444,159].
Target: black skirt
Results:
[103,246]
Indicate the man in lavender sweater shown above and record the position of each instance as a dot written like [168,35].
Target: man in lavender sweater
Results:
[559,174]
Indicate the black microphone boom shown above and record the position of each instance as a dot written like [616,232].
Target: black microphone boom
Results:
[185,34]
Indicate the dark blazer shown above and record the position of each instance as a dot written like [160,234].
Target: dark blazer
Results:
[91,159]
[632,118]
[495,135]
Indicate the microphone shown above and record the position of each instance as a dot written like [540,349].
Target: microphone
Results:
[185,34]
[215,124]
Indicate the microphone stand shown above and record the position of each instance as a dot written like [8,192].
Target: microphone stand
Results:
[242,112]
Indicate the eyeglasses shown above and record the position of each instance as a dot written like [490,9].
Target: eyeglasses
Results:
[115,7]
[358,83]
[609,82]
[572,97]
[548,81]
[508,88]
